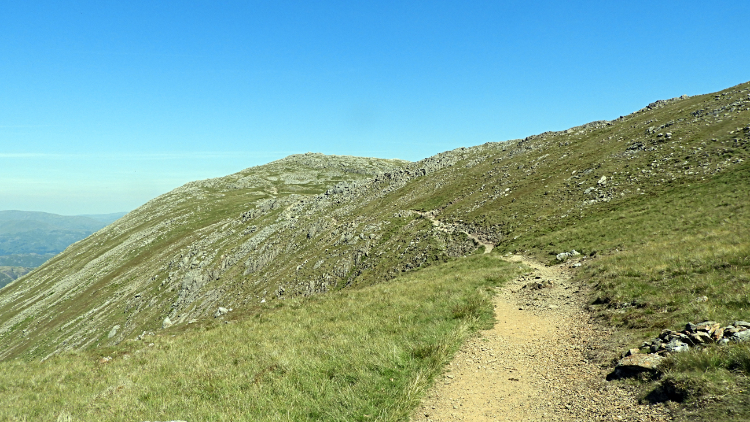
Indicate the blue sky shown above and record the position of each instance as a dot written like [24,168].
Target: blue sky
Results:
[107,104]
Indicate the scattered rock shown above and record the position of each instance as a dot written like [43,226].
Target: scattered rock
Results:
[696,335]
[562,256]
[538,285]
[113,331]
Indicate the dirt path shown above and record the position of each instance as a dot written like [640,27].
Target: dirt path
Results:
[535,363]
[451,228]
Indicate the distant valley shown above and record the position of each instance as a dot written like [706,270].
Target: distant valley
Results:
[29,238]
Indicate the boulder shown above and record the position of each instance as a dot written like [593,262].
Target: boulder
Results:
[635,364]
[113,331]
[166,323]
[221,311]
[562,256]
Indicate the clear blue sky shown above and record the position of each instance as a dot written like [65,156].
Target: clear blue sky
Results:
[107,104]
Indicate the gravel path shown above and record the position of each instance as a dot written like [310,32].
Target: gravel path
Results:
[534,364]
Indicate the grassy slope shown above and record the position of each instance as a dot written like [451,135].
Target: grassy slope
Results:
[112,267]
[362,354]
[675,227]
[669,226]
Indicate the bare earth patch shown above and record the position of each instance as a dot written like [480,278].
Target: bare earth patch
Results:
[537,363]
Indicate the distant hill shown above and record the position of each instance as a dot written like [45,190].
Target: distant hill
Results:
[29,238]
[8,274]
[105,218]
[28,232]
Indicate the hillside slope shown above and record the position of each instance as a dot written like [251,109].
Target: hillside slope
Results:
[657,201]
[311,223]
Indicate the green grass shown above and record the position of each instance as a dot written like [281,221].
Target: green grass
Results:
[673,229]
[357,354]
[711,384]
[665,251]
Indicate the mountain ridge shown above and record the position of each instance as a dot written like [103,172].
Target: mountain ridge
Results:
[302,197]
[673,176]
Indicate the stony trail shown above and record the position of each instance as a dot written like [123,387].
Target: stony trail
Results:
[536,363]
[452,228]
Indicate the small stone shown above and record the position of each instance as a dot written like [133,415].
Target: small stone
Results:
[637,363]
[705,325]
[699,338]
[740,337]
[665,334]
[113,331]
[166,323]
[221,311]
[717,334]
[676,346]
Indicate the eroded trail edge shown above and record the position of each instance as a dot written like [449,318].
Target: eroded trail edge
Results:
[536,363]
